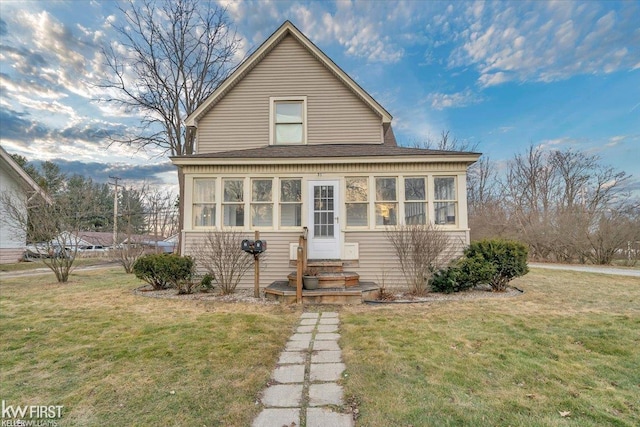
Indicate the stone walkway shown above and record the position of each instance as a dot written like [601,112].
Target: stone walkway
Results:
[303,390]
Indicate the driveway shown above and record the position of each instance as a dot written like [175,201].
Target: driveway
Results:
[41,271]
[589,269]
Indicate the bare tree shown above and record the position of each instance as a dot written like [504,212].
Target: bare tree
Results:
[222,257]
[169,56]
[53,229]
[446,142]
[421,250]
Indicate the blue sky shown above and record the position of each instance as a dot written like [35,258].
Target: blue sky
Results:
[501,74]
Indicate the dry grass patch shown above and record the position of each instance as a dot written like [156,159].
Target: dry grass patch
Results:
[113,358]
[569,345]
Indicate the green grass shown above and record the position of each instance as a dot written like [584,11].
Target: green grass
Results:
[113,358]
[570,343]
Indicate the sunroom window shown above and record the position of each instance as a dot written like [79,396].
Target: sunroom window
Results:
[357,203]
[233,203]
[386,201]
[415,196]
[445,203]
[262,203]
[204,202]
[290,202]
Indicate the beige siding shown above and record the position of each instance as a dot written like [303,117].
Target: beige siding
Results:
[10,255]
[334,113]
[274,262]
[378,261]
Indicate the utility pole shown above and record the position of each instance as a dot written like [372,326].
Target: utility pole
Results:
[115,208]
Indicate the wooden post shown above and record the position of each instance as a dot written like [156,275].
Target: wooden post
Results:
[256,270]
[303,244]
[299,272]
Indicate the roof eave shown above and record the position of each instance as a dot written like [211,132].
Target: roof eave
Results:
[468,158]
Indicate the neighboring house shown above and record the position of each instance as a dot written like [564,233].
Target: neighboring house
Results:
[17,185]
[288,141]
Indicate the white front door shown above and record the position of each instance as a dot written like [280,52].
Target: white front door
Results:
[324,232]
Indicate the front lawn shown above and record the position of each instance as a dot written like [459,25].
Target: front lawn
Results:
[113,358]
[565,353]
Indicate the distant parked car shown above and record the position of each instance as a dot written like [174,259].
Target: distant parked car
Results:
[91,248]
[42,250]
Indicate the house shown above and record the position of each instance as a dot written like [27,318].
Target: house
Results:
[289,141]
[16,189]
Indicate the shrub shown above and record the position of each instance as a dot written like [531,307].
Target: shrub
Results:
[148,268]
[206,284]
[420,250]
[162,271]
[220,254]
[495,262]
[449,280]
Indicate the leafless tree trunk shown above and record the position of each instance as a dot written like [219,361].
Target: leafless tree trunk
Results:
[53,229]
[221,256]
[420,250]
[169,56]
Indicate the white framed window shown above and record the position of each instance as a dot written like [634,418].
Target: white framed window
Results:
[386,201]
[204,202]
[445,200]
[288,120]
[357,201]
[262,202]
[290,202]
[233,202]
[415,200]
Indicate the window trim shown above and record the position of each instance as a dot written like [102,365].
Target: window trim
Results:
[455,201]
[280,203]
[272,117]
[214,203]
[253,203]
[224,203]
[367,202]
[374,192]
[424,201]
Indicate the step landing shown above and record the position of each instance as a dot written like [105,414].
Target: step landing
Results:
[331,279]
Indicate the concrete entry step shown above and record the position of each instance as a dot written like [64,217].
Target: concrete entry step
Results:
[281,291]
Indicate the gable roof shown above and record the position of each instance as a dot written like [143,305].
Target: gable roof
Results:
[23,178]
[285,29]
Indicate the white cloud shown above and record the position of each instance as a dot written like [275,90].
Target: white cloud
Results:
[440,101]
[545,41]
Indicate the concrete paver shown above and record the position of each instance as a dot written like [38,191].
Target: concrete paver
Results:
[301,337]
[296,357]
[326,371]
[309,315]
[330,356]
[321,336]
[305,329]
[328,328]
[327,314]
[325,394]
[289,374]
[282,396]
[329,321]
[308,321]
[296,345]
[322,417]
[326,345]
[271,417]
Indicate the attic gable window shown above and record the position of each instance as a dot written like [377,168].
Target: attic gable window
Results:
[288,118]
